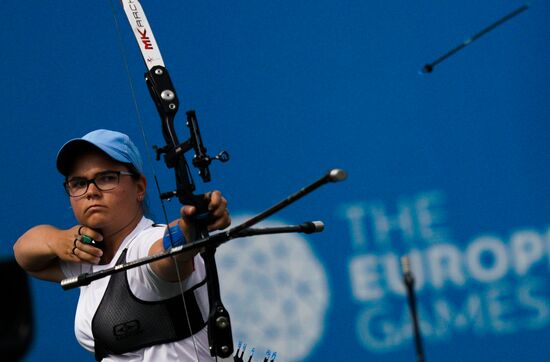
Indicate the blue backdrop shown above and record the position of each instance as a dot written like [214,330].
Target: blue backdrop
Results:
[449,167]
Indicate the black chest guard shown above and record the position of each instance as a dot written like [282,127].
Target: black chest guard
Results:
[123,323]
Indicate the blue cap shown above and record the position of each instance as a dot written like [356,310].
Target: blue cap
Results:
[116,145]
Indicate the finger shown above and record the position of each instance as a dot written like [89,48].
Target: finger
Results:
[90,249]
[85,257]
[217,205]
[84,230]
[220,211]
[220,218]
[187,211]
[185,222]
[72,254]
[220,222]
[87,252]
[215,200]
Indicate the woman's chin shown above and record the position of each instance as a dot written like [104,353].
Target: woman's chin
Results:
[95,222]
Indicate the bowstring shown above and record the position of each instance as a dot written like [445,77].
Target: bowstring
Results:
[150,162]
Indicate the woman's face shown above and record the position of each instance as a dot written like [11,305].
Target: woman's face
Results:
[108,211]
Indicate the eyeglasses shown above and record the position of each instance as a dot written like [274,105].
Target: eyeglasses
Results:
[104,181]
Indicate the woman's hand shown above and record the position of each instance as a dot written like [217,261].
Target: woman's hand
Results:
[39,249]
[217,208]
[84,247]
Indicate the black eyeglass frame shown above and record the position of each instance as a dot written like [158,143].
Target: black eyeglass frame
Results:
[93,181]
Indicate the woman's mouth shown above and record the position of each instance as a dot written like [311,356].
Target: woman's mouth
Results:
[93,208]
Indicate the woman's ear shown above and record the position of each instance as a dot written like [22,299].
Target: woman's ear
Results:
[141,188]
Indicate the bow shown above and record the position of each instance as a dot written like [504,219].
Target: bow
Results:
[164,95]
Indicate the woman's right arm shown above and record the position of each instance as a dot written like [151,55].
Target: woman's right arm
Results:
[39,250]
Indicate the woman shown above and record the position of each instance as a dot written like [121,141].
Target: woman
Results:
[138,314]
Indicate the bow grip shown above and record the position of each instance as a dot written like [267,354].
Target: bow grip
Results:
[202,216]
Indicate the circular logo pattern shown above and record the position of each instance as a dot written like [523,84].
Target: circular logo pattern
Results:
[275,290]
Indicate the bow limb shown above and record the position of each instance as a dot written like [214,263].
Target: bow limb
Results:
[164,95]
[155,72]
[143,33]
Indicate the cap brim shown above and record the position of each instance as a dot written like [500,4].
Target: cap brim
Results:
[69,152]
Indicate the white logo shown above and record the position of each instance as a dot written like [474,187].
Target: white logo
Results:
[276,292]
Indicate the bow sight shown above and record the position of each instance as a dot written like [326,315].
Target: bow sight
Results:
[166,100]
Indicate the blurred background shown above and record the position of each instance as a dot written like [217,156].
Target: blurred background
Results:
[449,167]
